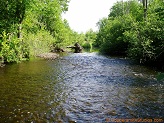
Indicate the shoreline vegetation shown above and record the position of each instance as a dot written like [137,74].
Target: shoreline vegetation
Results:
[133,28]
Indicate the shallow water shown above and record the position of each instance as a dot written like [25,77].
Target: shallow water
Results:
[82,87]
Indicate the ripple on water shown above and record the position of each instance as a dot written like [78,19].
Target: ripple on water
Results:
[84,87]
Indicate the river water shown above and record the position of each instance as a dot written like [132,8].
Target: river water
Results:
[82,88]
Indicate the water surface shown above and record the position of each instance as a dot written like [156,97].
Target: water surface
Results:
[82,87]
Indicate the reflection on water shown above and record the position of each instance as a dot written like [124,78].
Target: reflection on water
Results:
[84,87]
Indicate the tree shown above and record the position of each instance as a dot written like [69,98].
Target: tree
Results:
[145,3]
[129,34]
[64,5]
[127,7]
[31,27]
[146,37]
[12,12]
[12,48]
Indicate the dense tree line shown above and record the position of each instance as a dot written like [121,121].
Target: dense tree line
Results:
[134,28]
[30,27]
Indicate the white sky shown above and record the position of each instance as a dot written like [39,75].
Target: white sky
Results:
[83,15]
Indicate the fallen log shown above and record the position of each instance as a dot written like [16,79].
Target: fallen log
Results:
[76,47]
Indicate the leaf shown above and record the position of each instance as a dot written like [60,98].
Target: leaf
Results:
[160,76]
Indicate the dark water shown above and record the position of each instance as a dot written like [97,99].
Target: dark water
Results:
[82,88]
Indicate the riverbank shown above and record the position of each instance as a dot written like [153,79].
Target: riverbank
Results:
[1,62]
[50,56]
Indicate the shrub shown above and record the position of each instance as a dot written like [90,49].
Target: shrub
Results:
[146,42]
[113,38]
[39,43]
[12,48]
[87,45]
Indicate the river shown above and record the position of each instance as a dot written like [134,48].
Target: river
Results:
[82,88]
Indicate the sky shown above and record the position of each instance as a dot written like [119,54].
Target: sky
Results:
[83,15]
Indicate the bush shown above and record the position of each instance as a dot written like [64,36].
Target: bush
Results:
[12,48]
[113,38]
[40,42]
[87,45]
[146,42]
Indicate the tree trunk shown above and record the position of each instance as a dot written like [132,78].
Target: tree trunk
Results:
[19,34]
[145,8]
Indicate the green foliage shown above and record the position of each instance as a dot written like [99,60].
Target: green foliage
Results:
[128,7]
[87,45]
[80,38]
[103,27]
[64,5]
[12,48]
[47,16]
[90,39]
[31,27]
[146,39]
[160,77]
[12,14]
[126,32]
[117,10]
[39,42]
[112,36]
